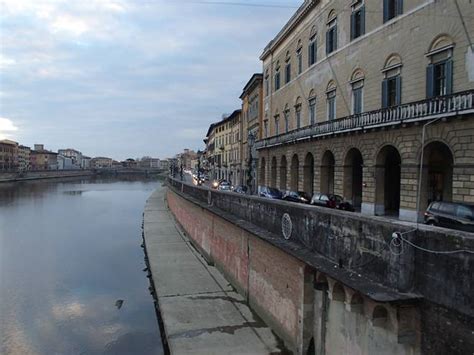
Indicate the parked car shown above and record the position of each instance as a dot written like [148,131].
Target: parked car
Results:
[224,186]
[269,192]
[296,196]
[241,189]
[331,201]
[451,215]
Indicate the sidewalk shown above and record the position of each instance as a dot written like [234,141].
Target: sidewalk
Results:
[200,311]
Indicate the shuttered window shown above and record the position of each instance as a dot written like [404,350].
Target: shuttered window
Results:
[391,9]
[358,22]
[439,78]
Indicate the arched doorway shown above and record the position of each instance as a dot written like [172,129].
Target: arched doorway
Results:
[262,172]
[388,173]
[283,172]
[308,177]
[353,177]
[295,167]
[327,173]
[437,179]
[273,173]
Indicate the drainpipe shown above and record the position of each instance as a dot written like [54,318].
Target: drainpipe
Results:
[420,173]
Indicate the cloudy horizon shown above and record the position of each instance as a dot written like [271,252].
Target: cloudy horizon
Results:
[127,78]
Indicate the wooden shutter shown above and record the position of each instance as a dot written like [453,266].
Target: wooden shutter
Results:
[399,7]
[334,47]
[449,77]
[353,24]
[384,93]
[385,10]
[362,20]
[327,41]
[429,81]
[398,81]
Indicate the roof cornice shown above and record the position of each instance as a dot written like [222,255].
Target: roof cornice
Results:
[297,17]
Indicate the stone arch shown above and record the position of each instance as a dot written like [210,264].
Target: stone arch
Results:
[327,172]
[380,316]
[332,15]
[312,94]
[387,181]
[287,55]
[357,74]
[308,175]
[283,172]
[393,60]
[295,167]
[437,177]
[262,172]
[356,303]
[441,42]
[299,44]
[353,166]
[298,101]
[313,31]
[331,85]
[273,173]
[338,293]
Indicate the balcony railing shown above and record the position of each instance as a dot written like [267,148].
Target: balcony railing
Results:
[443,106]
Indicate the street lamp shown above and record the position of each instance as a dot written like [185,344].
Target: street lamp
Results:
[251,141]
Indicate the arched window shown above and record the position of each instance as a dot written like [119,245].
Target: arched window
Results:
[391,9]
[287,68]
[298,112]
[277,76]
[267,83]
[439,73]
[286,114]
[331,100]
[299,56]
[331,32]
[312,47]
[357,19]
[277,124]
[357,84]
[312,107]
[392,84]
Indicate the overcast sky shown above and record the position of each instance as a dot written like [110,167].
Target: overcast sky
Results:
[127,78]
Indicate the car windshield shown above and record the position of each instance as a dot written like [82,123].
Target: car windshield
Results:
[336,198]
[273,191]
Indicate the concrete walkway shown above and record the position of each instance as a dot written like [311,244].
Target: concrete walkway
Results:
[200,311]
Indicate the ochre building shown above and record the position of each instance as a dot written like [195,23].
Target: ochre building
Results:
[358,93]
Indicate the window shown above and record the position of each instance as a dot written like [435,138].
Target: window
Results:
[300,61]
[357,21]
[391,9]
[265,128]
[288,71]
[439,75]
[465,212]
[331,100]
[391,91]
[287,120]
[357,97]
[267,84]
[277,78]
[331,34]
[312,51]
[277,125]
[312,111]
[298,116]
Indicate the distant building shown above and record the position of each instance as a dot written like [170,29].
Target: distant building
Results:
[85,162]
[101,163]
[149,162]
[164,164]
[129,163]
[185,158]
[75,155]
[42,159]
[23,158]
[65,163]
[8,155]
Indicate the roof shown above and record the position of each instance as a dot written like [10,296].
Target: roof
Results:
[7,141]
[254,80]
[227,119]
[297,17]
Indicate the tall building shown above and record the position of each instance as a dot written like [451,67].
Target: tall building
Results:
[75,155]
[235,156]
[8,155]
[367,99]
[42,159]
[23,158]
[252,109]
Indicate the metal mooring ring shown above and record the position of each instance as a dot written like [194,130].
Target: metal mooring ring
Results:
[286,226]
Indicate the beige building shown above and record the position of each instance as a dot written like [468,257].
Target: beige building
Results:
[43,159]
[252,109]
[23,158]
[235,156]
[101,163]
[351,86]
[8,155]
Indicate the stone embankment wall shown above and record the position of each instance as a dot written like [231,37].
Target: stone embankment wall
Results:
[338,282]
[44,174]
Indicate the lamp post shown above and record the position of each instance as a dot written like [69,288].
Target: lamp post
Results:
[251,141]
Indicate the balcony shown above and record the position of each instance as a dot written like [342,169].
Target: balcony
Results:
[444,106]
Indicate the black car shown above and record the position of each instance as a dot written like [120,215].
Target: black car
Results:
[241,189]
[451,215]
[269,192]
[331,201]
[296,196]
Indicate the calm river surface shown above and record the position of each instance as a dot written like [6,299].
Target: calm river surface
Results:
[68,251]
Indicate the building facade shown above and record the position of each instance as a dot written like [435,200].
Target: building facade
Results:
[75,155]
[8,155]
[43,159]
[372,125]
[252,109]
[101,163]
[23,158]
[235,154]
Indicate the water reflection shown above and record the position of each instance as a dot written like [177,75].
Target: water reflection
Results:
[68,251]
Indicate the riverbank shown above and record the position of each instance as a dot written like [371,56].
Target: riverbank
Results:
[47,174]
[200,311]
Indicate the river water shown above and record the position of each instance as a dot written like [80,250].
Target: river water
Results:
[69,250]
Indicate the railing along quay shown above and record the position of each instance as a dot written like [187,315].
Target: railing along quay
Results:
[449,105]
